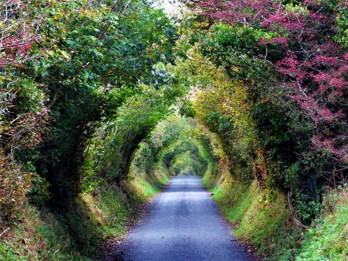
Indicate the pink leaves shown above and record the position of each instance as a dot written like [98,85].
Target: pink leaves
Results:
[336,146]
[289,64]
[314,70]
[288,21]
[235,11]
[17,32]
[283,41]
[15,49]
[328,61]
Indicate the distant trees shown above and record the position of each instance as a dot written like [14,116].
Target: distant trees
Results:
[174,147]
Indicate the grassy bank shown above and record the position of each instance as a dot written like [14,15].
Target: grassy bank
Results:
[93,218]
[259,217]
[327,238]
[265,220]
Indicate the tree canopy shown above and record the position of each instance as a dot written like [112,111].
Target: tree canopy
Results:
[98,92]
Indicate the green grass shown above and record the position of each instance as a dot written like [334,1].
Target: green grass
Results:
[263,219]
[38,235]
[260,217]
[93,218]
[327,239]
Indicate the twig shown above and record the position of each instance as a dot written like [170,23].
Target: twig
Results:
[3,232]
[299,223]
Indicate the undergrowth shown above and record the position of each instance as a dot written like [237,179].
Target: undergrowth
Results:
[93,218]
[259,217]
[263,218]
[327,238]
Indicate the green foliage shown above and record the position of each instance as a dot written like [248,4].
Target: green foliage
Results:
[77,97]
[39,193]
[94,218]
[38,236]
[87,125]
[326,239]
[122,54]
[233,48]
[262,132]
[182,164]
[87,61]
[187,109]
[132,124]
[262,136]
[173,148]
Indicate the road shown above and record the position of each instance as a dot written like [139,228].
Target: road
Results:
[183,224]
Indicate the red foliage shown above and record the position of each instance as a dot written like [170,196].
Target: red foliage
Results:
[315,68]
[17,32]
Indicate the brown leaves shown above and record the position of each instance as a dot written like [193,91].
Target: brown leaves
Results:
[14,184]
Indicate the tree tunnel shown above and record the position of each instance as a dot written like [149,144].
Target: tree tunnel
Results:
[251,95]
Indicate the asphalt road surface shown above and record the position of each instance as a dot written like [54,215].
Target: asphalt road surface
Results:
[183,224]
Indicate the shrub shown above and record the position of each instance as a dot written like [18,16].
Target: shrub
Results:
[14,184]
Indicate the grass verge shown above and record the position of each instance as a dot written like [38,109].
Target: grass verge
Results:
[327,238]
[259,217]
[263,219]
[93,218]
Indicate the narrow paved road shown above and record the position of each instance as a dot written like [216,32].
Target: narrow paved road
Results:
[183,225]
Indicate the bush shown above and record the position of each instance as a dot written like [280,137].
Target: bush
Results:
[14,184]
